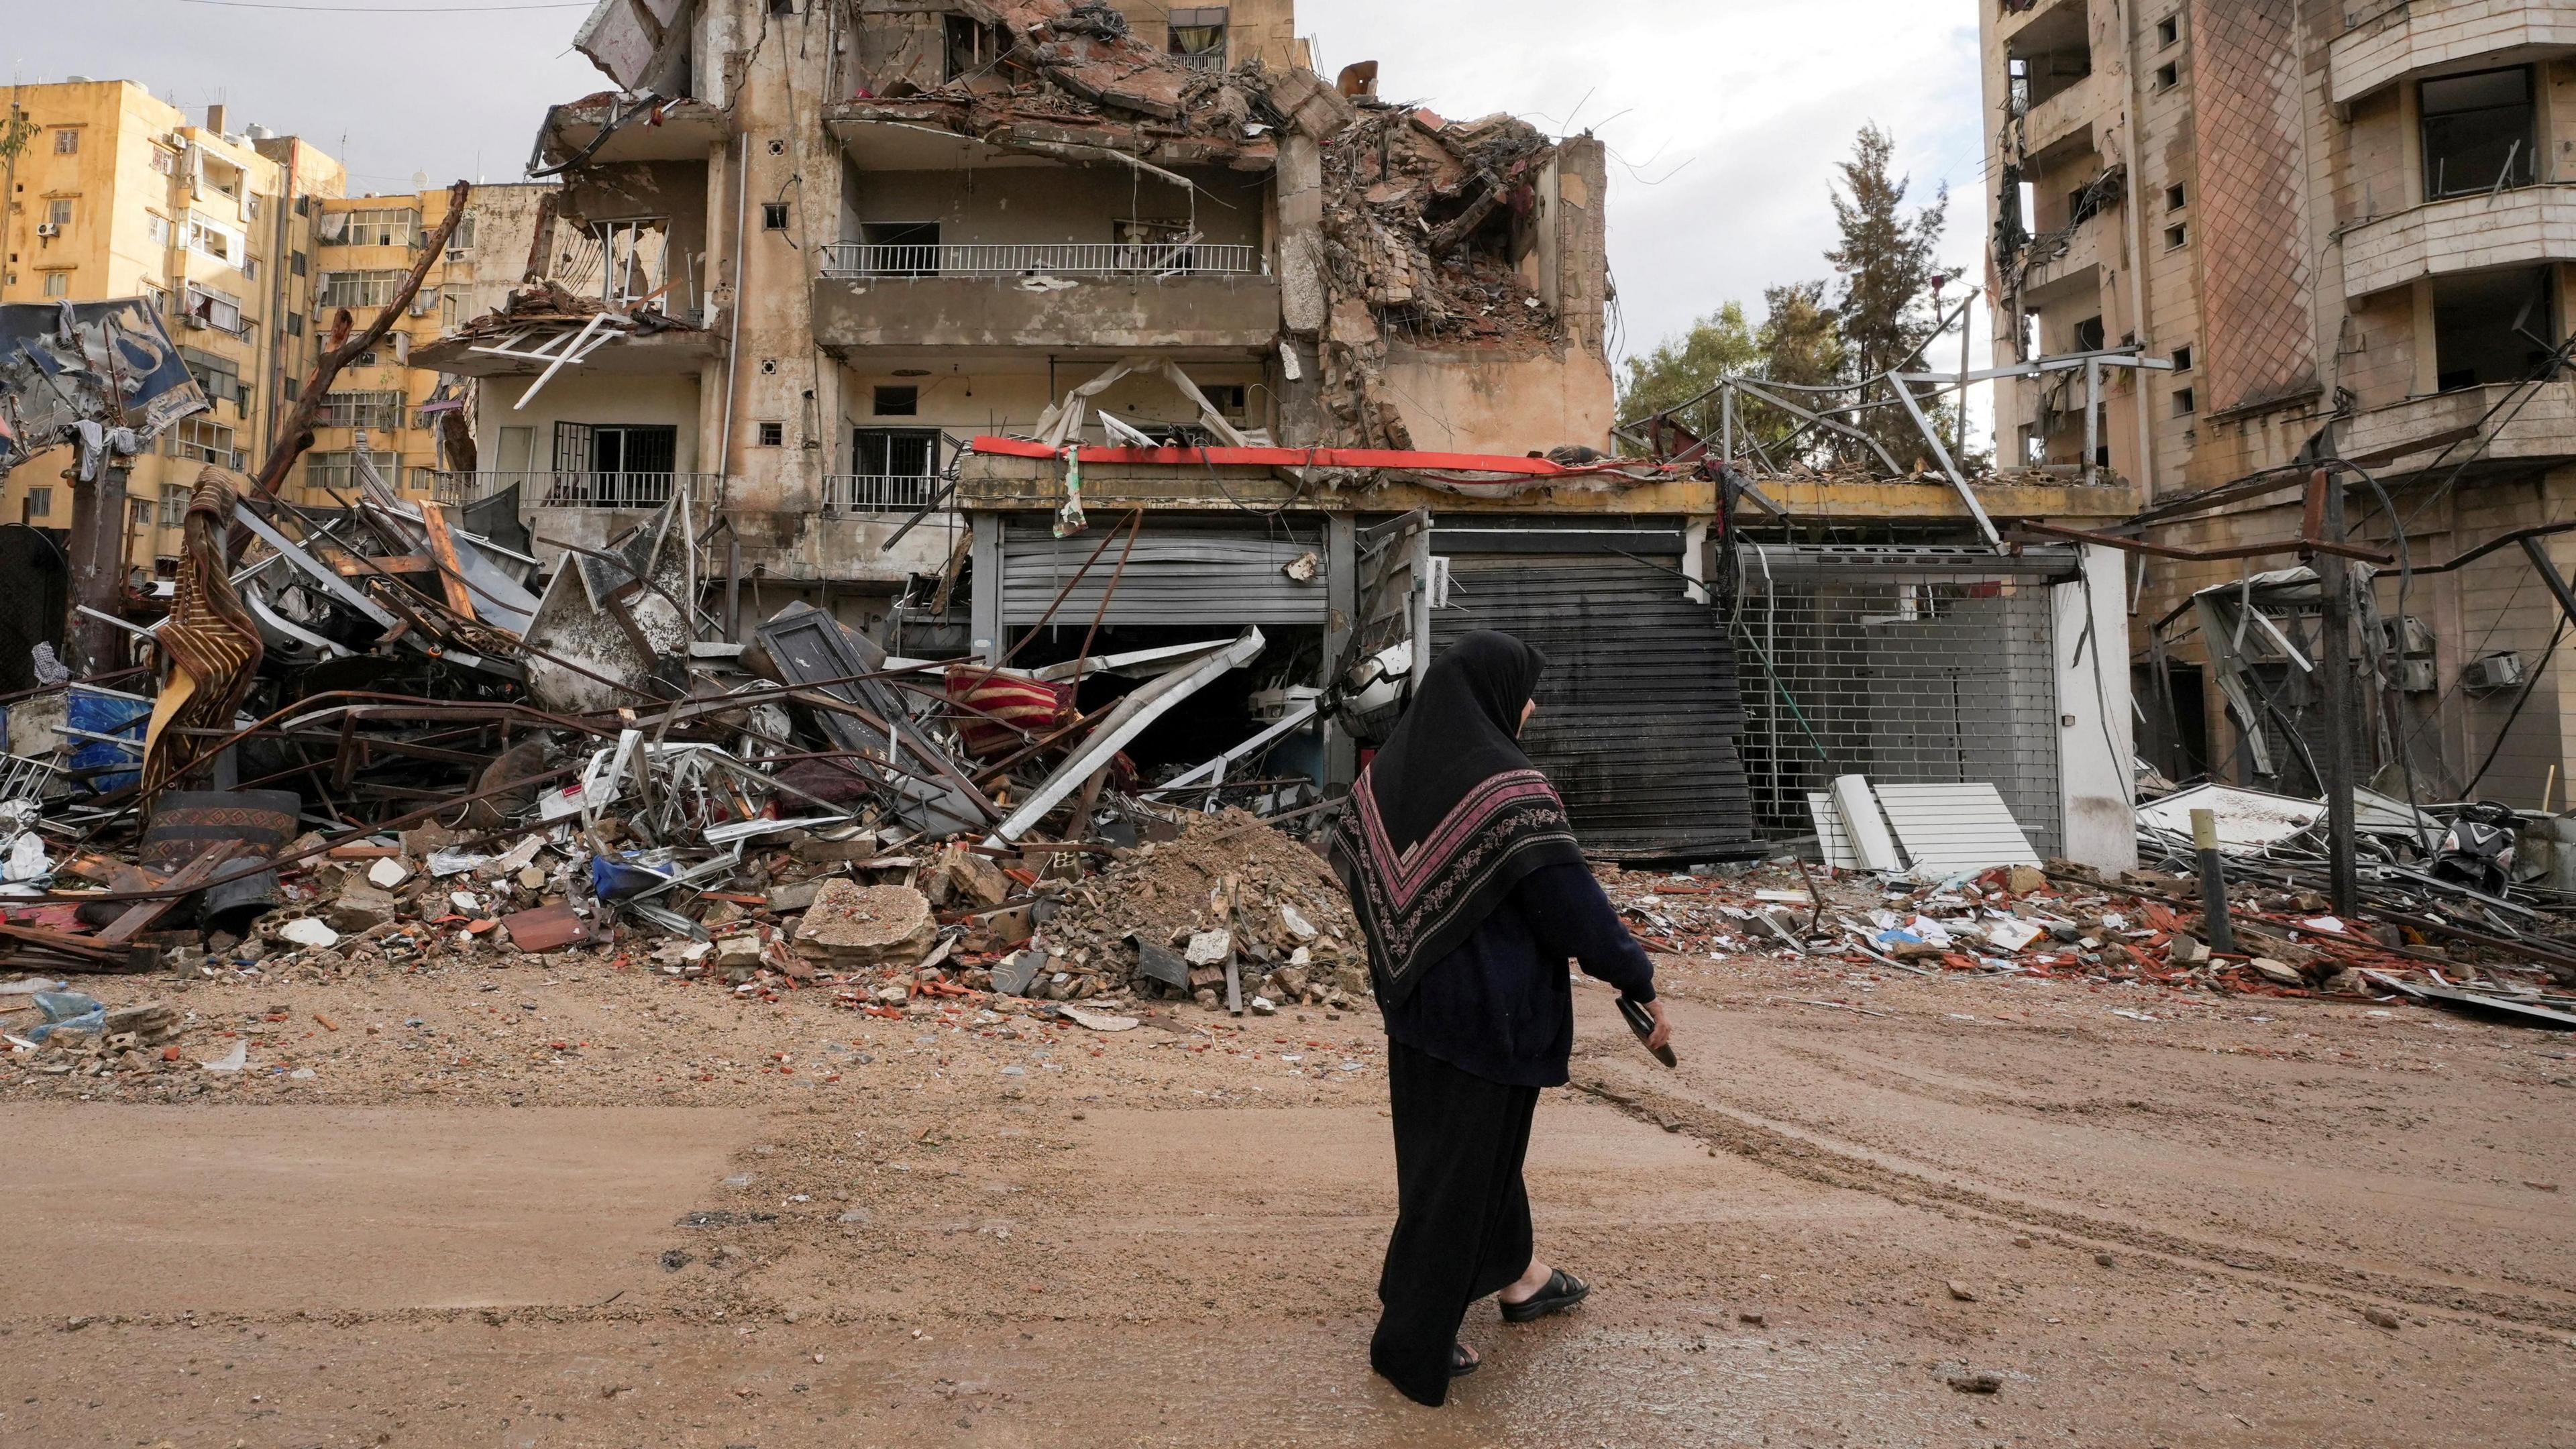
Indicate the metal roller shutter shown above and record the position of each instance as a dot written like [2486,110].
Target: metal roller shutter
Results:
[1909,666]
[1189,578]
[1639,710]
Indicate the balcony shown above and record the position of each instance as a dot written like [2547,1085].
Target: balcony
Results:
[590,490]
[2066,116]
[2413,432]
[2077,268]
[2403,37]
[856,493]
[1091,297]
[2522,227]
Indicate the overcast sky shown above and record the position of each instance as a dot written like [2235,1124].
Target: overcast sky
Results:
[1723,116]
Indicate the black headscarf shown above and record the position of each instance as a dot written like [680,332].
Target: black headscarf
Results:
[1451,814]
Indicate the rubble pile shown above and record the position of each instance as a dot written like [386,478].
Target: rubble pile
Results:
[1166,919]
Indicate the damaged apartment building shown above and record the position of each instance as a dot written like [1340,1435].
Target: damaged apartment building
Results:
[1053,333]
[2348,228]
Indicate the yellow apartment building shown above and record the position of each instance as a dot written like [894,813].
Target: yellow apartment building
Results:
[116,193]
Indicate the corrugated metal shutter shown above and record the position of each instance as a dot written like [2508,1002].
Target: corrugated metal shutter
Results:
[1188,578]
[1638,713]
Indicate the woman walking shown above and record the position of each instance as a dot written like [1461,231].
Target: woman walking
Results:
[1469,886]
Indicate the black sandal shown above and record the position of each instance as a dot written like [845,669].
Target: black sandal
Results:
[1562,1292]
[1461,1362]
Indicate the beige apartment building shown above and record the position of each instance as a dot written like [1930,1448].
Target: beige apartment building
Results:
[117,193]
[2348,225]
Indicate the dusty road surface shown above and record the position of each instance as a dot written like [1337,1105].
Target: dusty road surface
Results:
[594,1206]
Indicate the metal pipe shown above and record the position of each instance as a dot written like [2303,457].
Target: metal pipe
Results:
[2335,672]
[2213,883]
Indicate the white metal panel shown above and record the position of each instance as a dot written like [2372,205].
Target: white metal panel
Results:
[1863,825]
[1948,828]
[1831,838]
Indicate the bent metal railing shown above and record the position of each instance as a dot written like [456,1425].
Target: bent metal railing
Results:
[1037,259]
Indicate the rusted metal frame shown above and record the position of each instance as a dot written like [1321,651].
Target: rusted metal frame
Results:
[1827,423]
[1135,526]
[2500,541]
[939,761]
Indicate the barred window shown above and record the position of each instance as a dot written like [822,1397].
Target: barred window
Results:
[358,289]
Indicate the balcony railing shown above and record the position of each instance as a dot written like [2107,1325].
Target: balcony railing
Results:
[585,489]
[877,492]
[1025,259]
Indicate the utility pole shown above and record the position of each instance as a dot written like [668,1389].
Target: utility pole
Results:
[2335,676]
[98,566]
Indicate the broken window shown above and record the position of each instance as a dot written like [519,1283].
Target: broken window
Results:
[1198,35]
[2051,54]
[773,216]
[2088,335]
[2182,358]
[375,409]
[971,46]
[337,469]
[2087,202]
[219,378]
[381,227]
[203,440]
[2479,132]
[2492,327]
[357,289]
[2185,402]
[899,248]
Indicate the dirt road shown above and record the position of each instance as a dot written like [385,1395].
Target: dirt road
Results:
[545,1209]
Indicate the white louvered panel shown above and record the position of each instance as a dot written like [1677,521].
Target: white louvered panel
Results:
[1955,827]
[1831,838]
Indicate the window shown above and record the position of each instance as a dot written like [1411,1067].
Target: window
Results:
[59,214]
[970,46]
[461,241]
[2175,197]
[782,7]
[518,449]
[174,505]
[2185,402]
[295,264]
[294,324]
[894,452]
[294,389]
[2168,75]
[58,284]
[337,469]
[157,298]
[1198,35]
[358,289]
[210,308]
[2177,236]
[771,435]
[250,208]
[250,269]
[2492,327]
[2479,132]
[2088,201]
[218,377]
[157,229]
[2182,359]
[373,409]
[1226,397]
[66,141]
[139,510]
[165,162]
[213,238]
[2168,31]
[204,440]
[773,216]
[40,503]
[620,465]
[897,402]
[2088,335]
[381,227]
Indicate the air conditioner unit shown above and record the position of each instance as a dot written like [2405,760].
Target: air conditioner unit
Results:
[2406,636]
[2416,676]
[49,228]
[197,323]
[2495,671]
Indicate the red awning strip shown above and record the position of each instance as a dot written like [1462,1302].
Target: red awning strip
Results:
[1515,467]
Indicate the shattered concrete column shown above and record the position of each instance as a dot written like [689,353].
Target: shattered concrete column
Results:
[1582,242]
[1303,301]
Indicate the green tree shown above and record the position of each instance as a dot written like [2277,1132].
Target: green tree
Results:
[1719,345]
[1886,264]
